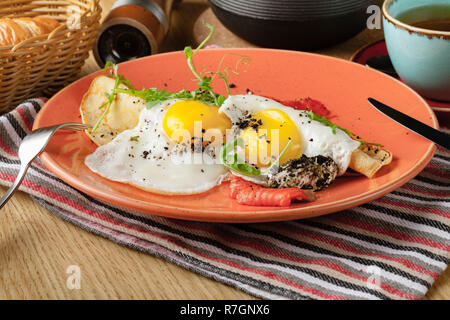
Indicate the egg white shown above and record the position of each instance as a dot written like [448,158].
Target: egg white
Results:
[152,161]
[318,139]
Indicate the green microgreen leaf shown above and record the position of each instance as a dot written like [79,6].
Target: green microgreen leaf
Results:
[108,65]
[231,160]
[220,100]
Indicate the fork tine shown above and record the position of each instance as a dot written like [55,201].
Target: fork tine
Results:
[76,126]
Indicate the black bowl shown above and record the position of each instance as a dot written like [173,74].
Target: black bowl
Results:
[294,24]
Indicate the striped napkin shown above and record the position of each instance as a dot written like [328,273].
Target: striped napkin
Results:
[391,248]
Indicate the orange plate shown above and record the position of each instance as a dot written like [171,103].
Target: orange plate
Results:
[286,75]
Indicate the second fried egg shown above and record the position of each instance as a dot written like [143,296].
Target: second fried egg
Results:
[267,126]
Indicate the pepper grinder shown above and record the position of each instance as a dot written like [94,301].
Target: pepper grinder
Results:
[132,29]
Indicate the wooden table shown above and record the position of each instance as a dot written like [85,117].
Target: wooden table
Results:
[37,247]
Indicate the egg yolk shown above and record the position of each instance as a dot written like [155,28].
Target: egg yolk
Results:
[189,119]
[268,135]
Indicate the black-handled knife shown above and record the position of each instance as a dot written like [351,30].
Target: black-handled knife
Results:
[436,136]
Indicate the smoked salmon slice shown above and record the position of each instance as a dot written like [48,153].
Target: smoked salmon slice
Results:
[251,194]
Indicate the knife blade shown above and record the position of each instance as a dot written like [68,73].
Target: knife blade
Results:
[436,136]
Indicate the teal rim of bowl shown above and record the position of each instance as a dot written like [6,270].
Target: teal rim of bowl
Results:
[396,22]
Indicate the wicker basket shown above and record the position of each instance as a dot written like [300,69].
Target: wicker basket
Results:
[44,64]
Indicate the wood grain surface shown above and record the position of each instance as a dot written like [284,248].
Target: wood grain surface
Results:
[37,247]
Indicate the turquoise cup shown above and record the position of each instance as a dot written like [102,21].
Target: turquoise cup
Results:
[421,57]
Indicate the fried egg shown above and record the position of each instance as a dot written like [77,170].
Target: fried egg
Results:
[167,152]
[267,127]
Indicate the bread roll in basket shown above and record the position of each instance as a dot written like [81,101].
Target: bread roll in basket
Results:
[43,45]
[14,31]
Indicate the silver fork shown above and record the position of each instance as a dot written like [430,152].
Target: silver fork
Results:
[32,145]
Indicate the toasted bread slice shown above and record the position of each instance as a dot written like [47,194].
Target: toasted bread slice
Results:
[368,159]
[123,114]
